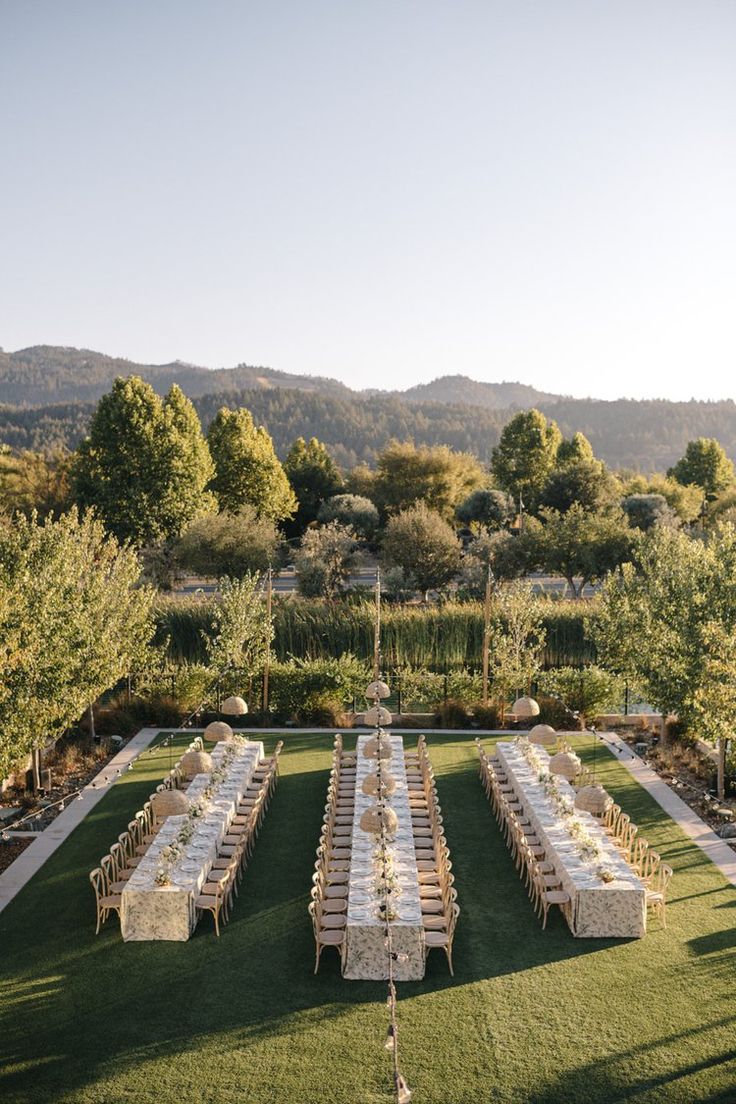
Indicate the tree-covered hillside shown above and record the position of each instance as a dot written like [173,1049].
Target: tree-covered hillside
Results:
[645,435]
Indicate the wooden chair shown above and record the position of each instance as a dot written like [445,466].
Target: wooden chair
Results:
[213,898]
[105,902]
[325,937]
[443,939]
[657,893]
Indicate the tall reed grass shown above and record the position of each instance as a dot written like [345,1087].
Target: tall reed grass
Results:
[441,638]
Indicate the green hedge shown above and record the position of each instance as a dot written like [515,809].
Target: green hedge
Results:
[442,637]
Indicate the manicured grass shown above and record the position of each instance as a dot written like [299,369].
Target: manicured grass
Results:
[530,1016]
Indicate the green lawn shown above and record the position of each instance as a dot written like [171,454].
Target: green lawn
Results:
[530,1016]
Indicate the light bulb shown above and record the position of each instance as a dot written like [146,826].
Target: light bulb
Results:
[390,1037]
[403,1092]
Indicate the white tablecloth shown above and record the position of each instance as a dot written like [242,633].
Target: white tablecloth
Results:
[597,909]
[151,911]
[366,956]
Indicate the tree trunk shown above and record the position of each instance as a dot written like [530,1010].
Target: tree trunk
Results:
[36,768]
[721,783]
[571,583]
[91,714]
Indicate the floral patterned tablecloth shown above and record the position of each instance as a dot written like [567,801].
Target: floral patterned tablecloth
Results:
[152,911]
[597,909]
[365,953]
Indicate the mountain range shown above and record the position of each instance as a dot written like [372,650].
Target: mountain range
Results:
[48,394]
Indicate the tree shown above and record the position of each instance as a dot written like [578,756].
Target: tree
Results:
[668,623]
[706,465]
[578,545]
[234,545]
[502,550]
[517,639]
[354,511]
[586,691]
[525,454]
[242,628]
[145,465]
[73,621]
[649,511]
[437,476]
[585,482]
[421,542]
[325,560]
[314,477]
[685,500]
[575,448]
[34,482]
[486,508]
[247,470]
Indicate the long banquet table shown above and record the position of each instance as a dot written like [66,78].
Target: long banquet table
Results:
[365,953]
[597,909]
[152,911]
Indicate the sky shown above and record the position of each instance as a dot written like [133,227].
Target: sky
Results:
[381,192]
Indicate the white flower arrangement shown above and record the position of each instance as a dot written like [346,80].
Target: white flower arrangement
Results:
[198,808]
[163,876]
[605,874]
[172,852]
[185,833]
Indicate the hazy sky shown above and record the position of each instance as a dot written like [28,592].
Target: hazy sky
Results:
[379,191]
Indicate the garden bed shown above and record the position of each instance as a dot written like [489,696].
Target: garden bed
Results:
[688,773]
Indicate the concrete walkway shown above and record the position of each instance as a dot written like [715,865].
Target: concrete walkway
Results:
[32,859]
[717,850]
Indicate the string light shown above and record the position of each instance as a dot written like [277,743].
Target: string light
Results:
[391,1042]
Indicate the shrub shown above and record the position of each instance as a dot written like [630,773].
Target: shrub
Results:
[486,716]
[585,690]
[325,709]
[554,713]
[452,714]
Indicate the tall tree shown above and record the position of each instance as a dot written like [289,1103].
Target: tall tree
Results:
[242,630]
[517,639]
[73,621]
[575,448]
[325,560]
[231,545]
[314,477]
[247,470]
[669,624]
[352,510]
[145,464]
[486,508]
[525,455]
[439,477]
[706,465]
[420,541]
[579,545]
[586,482]
[34,482]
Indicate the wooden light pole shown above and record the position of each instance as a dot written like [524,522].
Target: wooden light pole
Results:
[267,661]
[487,632]
[377,630]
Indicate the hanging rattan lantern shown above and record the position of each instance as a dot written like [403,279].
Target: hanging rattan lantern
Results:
[168,803]
[565,763]
[593,799]
[193,763]
[378,747]
[234,707]
[544,735]
[371,783]
[377,815]
[217,731]
[523,708]
[377,690]
[377,715]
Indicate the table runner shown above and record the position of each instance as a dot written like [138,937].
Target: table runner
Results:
[597,909]
[365,955]
[151,911]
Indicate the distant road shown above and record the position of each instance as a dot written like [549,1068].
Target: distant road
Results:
[286,583]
